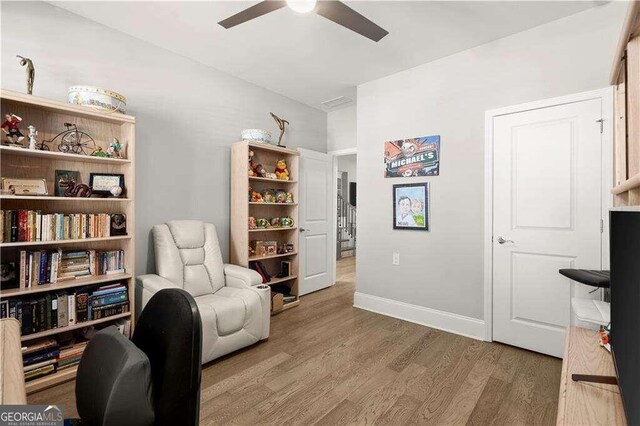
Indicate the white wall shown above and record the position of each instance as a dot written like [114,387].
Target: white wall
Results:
[341,128]
[187,114]
[348,163]
[442,270]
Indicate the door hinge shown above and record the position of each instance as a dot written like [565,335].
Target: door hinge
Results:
[601,121]
[601,226]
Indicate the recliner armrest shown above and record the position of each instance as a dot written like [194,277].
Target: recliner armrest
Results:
[237,276]
[147,286]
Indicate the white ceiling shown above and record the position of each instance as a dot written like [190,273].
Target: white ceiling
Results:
[311,59]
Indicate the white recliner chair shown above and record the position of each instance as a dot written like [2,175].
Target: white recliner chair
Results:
[233,303]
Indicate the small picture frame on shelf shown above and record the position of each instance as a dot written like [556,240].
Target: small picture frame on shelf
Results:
[285,268]
[15,186]
[118,225]
[104,183]
[271,247]
[65,176]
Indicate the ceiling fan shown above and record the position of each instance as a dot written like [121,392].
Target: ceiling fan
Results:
[335,11]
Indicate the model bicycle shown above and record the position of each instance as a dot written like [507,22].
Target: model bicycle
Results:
[74,141]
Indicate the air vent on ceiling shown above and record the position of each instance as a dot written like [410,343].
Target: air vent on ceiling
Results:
[336,102]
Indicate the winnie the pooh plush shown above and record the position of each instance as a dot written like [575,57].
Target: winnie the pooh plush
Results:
[281,170]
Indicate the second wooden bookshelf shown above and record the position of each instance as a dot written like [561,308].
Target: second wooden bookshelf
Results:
[241,236]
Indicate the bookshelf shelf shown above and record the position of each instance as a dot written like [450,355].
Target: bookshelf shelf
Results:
[80,282]
[83,324]
[273,204]
[64,199]
[241,209]
[53,155]
[49,118]
[291,305]
[273,229]
[281,280]
[273,256]
[61,242]
[261,179]
[47,381]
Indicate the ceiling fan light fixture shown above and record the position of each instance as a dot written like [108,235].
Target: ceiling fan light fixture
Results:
[302,6]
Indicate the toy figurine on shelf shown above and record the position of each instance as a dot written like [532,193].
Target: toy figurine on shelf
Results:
[259,170]
[281,196]
[262,222]
[33,143]
[281,170]
[289,198]
[115,149]
[275,222]
[269,196]
[252,222]
[100,153]
[271,176]
[286,222]
[31,72]
[76,190]
[251,164]
[256,197]
[11,130]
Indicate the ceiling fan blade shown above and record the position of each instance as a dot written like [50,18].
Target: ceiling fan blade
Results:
[253,12]
[342,14]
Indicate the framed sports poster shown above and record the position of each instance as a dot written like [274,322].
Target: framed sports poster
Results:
[412,157]
[411,206]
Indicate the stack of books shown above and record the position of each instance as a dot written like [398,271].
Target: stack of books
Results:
[70,355]
[33,225]
[40,358]
[65,309]
[108,300]
[51,266]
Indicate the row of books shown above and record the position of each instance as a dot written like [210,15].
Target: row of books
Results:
[47,356]
[51,266]
[52,310]
[33,225]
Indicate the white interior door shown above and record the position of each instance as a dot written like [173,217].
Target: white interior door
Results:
[316,221]
[547,170]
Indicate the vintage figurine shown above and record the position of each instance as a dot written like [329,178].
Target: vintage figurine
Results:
[100,153]
[262,222]
[251,164]
[32,137]
[252,222]
[286,221]
[256,197]
[31,72]
[269,196]
[281,126]
[11,130]
[259,170]
[275,222]
[115,148]
[281,196]
[289,198]
[116,191]
[281,170]
[271,176]
[73,189]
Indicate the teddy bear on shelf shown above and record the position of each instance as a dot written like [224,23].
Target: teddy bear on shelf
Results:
[281,170]
[252,222]
[259,171]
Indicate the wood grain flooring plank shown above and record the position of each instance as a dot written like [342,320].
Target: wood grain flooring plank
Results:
[400,412]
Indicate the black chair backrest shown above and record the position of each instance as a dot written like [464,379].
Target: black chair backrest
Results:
[169,332]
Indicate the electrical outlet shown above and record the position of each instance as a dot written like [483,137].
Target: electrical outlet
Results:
[396,258]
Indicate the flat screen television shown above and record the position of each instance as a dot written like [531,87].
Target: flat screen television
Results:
[625,307]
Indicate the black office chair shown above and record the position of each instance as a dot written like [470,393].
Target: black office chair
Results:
[154,379]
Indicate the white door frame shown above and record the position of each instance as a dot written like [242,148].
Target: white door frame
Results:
[334,197]
[606,96]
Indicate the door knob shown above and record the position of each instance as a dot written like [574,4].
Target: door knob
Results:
[502,240]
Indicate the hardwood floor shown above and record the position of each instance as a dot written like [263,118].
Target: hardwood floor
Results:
[329,363]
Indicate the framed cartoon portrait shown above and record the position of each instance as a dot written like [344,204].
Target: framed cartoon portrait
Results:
[411,206]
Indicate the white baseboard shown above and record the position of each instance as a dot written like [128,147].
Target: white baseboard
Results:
[454,323]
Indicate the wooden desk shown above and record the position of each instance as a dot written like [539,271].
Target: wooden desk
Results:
[12,390]
[583,403]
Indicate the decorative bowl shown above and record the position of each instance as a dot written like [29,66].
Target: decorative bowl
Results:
[100,99]
[258,135]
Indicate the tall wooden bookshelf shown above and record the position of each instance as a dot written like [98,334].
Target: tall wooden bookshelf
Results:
[625,77]
[241,237]
[49,117]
